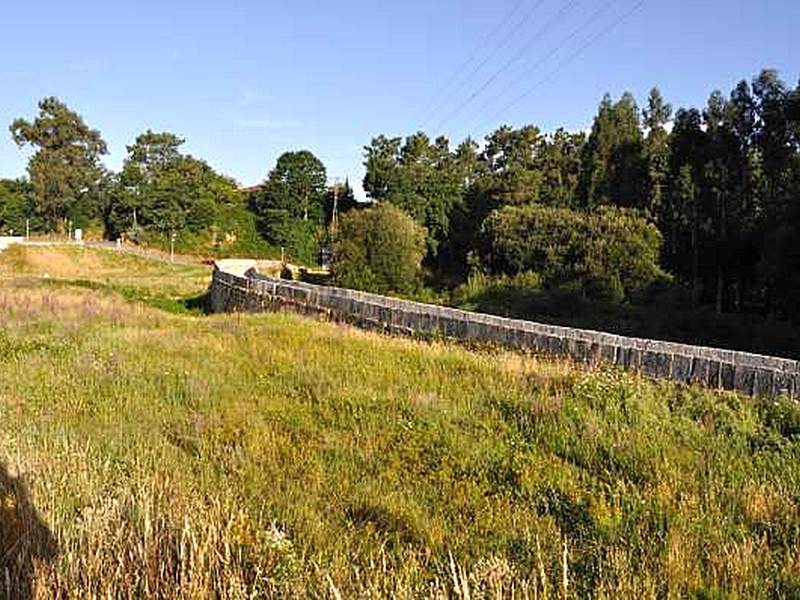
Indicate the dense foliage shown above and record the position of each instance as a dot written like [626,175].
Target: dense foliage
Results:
[65,171]
[162,190]
[424,179]
[162,193]
[609,253]
[379,249]
[291,205]
[16,208]
[721,184]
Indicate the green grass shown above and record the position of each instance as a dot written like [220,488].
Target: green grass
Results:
[176,288]
[175,455]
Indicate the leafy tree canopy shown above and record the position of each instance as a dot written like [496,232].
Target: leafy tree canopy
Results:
[151,153]
[291,205]
[296,185]
[16,209]
[379,249]
[610,253]
[65,172]
[164,191]
[423,178]
[612,162]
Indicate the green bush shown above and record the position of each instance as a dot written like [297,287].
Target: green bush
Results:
[610,253]
[480,285]
[379,249]
[15,207]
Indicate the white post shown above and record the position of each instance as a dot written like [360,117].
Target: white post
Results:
[27,229]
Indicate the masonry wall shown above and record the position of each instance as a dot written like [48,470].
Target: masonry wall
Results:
[238,287]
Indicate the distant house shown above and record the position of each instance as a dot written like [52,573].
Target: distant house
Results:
[251,189]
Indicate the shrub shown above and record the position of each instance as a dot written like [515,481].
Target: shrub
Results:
[611,253]
[479,285]
[379,249]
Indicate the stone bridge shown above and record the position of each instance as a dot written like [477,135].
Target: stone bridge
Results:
[238,286]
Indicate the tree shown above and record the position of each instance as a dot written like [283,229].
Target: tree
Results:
[613,166]
[512,166]
[341,195]
[559,160]
[296,185]
[291,204]
[778,141]
[716,196]
[16,208]
[721,185]
[151,154]
[610,253]
[779,269]
[162,192]
[379,249]
[65,172]
[424,179]
[134,195]
[683,215]
[656,150]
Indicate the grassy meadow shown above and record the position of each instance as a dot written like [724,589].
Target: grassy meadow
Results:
[148,450]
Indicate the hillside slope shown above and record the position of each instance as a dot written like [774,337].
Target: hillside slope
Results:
[146,453]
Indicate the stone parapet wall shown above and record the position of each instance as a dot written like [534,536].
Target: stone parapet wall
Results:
[238,287]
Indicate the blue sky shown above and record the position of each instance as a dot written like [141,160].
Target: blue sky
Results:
[244,81]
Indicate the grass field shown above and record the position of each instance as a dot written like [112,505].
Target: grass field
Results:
[163,453]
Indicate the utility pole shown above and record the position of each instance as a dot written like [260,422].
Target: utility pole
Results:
[335,213]
[335,216]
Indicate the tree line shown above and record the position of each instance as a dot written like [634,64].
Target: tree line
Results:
[698,205]
[162,193]
[703,200]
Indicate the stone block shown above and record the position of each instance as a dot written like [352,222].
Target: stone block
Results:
[726,376]
[579,349]
[762,382]
[649,364]
[594,352]
[781,383]
[743,378]
[713,374]
[700,368]
[608,352]
[681,368]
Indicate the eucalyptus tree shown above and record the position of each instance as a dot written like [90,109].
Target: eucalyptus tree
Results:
[65,172]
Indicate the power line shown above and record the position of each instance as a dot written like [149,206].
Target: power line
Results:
[588,22]
[508,63]
[567,61]
[506,39]
[484,43]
